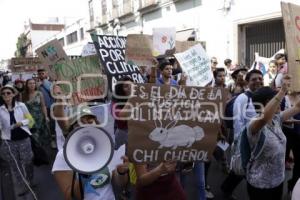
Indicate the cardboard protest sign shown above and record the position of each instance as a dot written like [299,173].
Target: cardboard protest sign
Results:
[182,46]
[291,21]
[163,41]
[81,79]
[111,51]
[51,53]
[25,64]
[139,49]
[196,64]
[174,123]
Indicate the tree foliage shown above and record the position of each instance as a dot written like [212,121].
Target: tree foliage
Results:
[22,46]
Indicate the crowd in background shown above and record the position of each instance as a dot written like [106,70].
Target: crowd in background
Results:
[25,113]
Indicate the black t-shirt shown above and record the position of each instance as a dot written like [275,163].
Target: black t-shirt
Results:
[16,133]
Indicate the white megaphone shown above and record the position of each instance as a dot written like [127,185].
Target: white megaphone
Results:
[88,149]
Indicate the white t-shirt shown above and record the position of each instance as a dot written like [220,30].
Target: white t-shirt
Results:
[96,186]
[296,191]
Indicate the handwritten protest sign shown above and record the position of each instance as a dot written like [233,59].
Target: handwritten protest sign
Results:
[174,122]
[291,21]
[88,50]
[111,51]
[139,49]
[196,64]
[81,79]
[163,41]
[51,53]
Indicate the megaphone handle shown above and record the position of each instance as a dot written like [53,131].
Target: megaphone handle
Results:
[73,196]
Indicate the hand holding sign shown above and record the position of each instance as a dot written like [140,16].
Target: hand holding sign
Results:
[167,167]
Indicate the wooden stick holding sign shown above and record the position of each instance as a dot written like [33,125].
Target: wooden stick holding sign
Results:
[291,21]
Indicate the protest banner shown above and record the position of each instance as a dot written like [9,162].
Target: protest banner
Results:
[291,21]
[196,64]
[25,64]
[139,49]
[111,51]
[81,79]
[174,122]
[25,61]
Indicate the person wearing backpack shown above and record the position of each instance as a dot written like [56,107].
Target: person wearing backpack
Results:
[266,173]
[240,110]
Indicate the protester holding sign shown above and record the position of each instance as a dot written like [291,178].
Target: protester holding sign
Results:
[166,70]
[265,174]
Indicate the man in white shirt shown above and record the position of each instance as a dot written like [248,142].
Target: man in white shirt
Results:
[243,109]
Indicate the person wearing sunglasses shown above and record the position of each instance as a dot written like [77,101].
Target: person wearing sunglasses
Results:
[15,148]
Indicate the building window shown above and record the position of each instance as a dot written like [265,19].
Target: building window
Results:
[91,10]
[72,37]
[104,7]
[62,41]
[81,34]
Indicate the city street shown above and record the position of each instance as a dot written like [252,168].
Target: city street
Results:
[47,189]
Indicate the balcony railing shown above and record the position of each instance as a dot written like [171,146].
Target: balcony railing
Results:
[127,8]
[148,3]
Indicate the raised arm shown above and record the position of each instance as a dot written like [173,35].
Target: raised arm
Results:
[272,107]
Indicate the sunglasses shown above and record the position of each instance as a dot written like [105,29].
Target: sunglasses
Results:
[6,93]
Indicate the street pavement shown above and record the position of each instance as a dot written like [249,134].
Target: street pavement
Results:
[47,189]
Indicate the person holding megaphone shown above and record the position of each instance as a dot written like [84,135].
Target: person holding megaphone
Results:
[84,184]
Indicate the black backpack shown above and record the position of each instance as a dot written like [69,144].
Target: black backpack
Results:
[229,109]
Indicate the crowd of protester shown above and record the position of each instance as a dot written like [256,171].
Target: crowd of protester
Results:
[25,112]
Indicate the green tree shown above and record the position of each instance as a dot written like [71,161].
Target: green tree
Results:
[22,46]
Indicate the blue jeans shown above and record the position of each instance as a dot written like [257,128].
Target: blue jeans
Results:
[200,181]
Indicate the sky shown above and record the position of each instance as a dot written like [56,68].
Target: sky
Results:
[13,14]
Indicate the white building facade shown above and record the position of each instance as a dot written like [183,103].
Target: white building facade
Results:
[72,36]
[233,29]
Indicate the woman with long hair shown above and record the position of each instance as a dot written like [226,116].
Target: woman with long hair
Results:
[15,146]
[35,103]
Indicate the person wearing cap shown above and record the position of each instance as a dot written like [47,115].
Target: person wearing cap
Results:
[116,171]
[15,122]
[266,174]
